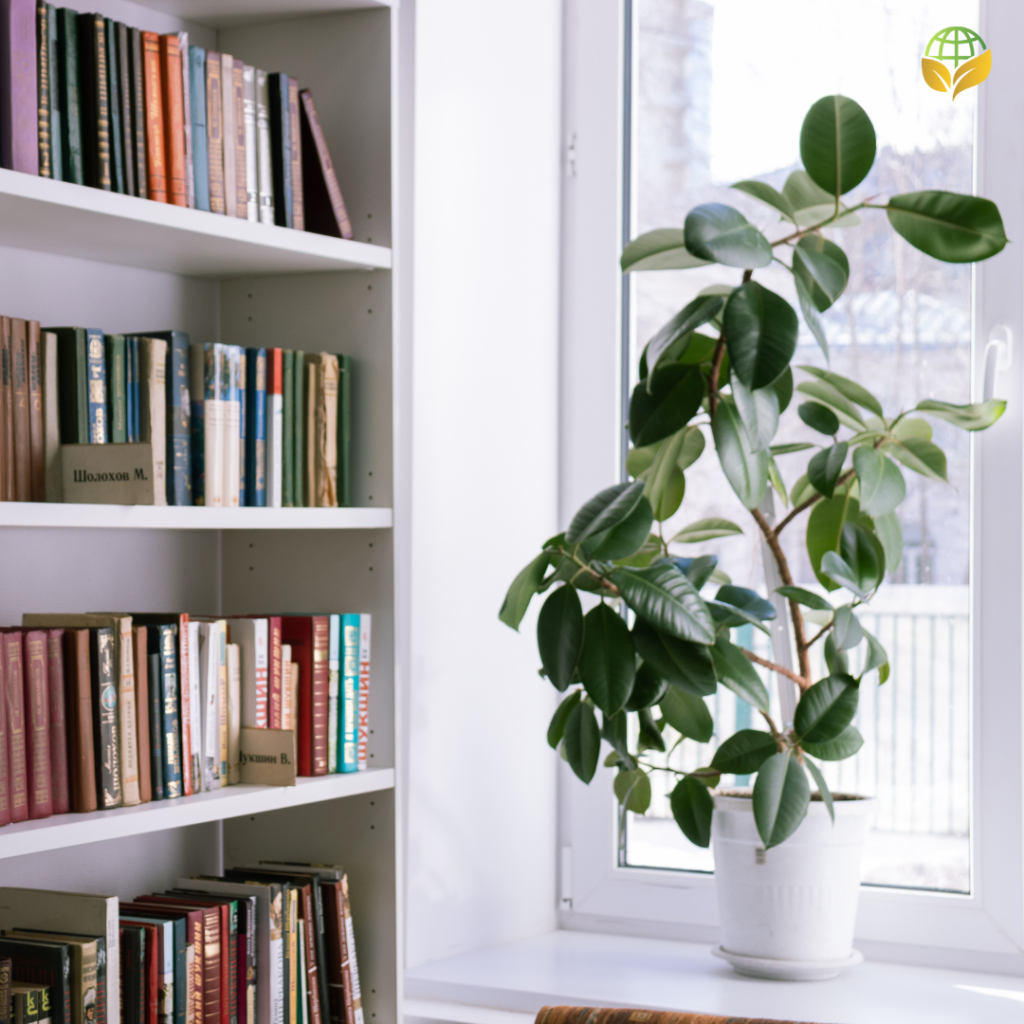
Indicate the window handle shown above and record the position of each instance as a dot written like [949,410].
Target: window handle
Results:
[998,358]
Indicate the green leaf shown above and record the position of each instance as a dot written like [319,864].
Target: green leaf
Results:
[744,752]
[826,709]
[921,456]
[846,628]
[605,510]
[524,586]
[735,671]
[607,659]
[639,460]
[859,565]
[747,600]
[837,144]
[693,315]
[699,348]
[626,537]
[716,232]
[877,658]
[803,194]
[824,529]
[819,781]
[554,542]
[845,745]
[913,426]
[767,194]
[665,482]
[615,729]
[801,491]
[663,596]
[706,529]
[819,417]
[882,486]
[775,479]
[950,227]
[783,388]
[979,416]
[728,615]
[692,807]
[582,741]
[805,597]
[823,268]
[697,570]
[648,687]
[759,411]
[687,714]
[760,334]
[746,470]
[661,249]
[811,317]
[650,735]
[849,389]
[837,662]
[636,787]
[824,392]
[781,798]
[560,636]
[556,730]
[890,535]
[675,394]
[679,662]
[645,554]
[826,467]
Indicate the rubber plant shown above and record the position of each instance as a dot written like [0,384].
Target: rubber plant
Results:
[722,367]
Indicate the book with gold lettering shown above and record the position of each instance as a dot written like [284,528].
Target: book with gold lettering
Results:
[22,404]
[37,724]
[156,153]
[94,100]
[215,131]
[171,88]
[14,697]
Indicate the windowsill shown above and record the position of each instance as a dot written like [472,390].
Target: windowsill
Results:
[586,969]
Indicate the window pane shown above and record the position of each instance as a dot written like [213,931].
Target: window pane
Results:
[723,86]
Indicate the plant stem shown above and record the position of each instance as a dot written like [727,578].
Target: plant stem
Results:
[716,366]
[823,224]
[848,475]
[783,671]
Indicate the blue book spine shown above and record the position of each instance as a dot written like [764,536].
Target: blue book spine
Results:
[197,100]
[96,372]
[136,391]
[179,461]
[243,474]
[171,722]
[129,376]
[334,686]
[156,722]
[349,702]
[256,427]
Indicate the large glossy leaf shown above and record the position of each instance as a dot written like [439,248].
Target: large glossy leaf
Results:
[890,535]
[783,388]
[824,529]
[607,659]
[524,586]
[781,798]
[665,482]
[921,456]
[849,389]
[663,596]
[819,417]
[556,730]
[730,615]
[687,714]
[837,662]
[693,807]
[615,731]
[805,597]
[648,687]
[877,658]
[760,334]
[759,411]
[845,410]
[882,486]
[822,267]
[747,600]
[811,316]
[687,665]
[650,737]
[626,537]
[697,570]
[837,144]
[674,397]
[735,671]
[560,636]
[825,468]
[859,565]
[846,628]
[845,745]
[979,416]
[826,709]
[763,191]
[603,511]
[581,741]
[746,470]
[688,319]
[803,194]
[720,233]
[951,227]
[819,781]
[634,786]
[706,529]
[661,249]
[744,752]
[913,426]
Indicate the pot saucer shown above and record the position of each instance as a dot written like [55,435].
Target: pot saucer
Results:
[787,970]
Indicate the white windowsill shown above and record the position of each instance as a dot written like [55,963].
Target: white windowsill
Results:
[586,969]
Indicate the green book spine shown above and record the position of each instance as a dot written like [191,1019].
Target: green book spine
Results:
[43,86]
[288,440]
[345,432]
[114,103]
[56,95]
[71,124]
[117,388]
[72,384]
[299,433]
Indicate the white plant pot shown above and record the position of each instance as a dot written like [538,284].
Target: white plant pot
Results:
[789,912]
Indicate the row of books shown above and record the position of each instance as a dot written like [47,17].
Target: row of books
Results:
[90,100]
[270,943]
[112,710]
[228,426]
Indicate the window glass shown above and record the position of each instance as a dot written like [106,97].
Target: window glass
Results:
[721,91]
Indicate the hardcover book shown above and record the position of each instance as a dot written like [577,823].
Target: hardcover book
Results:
[215,131]
[165,637]
[19,111]
[73,383]
[179,417]
[105,719]
[275,428]
[288,429]
[124,93]
[5,766]
[264,164]
[36,423]
[280,148]
[197,99]
[114,105]
[156,154]
[299,493]
[334,677]
[117,387]
[14,684]
[22,404]
[43,86]
[309,637]
[136,68]
[71,114]
[81,758]
[156,727]
[227,113]
[52,486]
[96,375]
[174,119]
[94,100]
[42,962]
[186,113]
[349,699]
[59,784]
[140,650]
[6,411]
[153,401]
[239,139]
[37,724]
[252,188]
[256,427]
[345,368]
[325,211]
[295,149]
[363,730]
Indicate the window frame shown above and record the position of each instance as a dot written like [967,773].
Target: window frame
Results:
[983,930]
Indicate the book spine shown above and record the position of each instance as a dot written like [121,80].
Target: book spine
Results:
[238,140]
[156,157]
[264,163]
[233,426]
[327,431]
[352,972]
[334,931]
[227,63]
[136,390]
[215,131]
[197,97]
[95,106]
[294,123]
[320,177]
[280,149]
[275,427]
[193,711]
[138,94]
[349,692]
[252,188]
[117,387]
[56,95]
[15,696]
[255,444]
[97,378]
[334,674]
[124,93]
[156,727]
[243,427]
[179,475]
[78,689]
[275,681]
[186,114]
[5,766]
[299,494]
[185,702]
[292,954]
[314,443]
[43,86]
[213,950]
[153,368]
[127,717]
[71,122]
[140,652]
[108,767]
[19,91]
[36,424]
[234,712]
[114,106]
[222,702]
[319,693]
[345,431]
[313,966]
[174,119]
[37,724]
[6,411]
[288,430]
[53,486]
[197,400]
[22,415]
[171,722]
[363,730]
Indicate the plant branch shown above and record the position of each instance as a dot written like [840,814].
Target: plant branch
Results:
[764,663]
[716,366]
[813,499]
[811,229]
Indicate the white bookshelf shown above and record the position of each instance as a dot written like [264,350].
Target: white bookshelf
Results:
[72,255]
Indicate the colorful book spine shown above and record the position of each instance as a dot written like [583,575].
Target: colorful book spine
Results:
[156,157]
[227,113]
[191,706]
[275,680]
[117,387]
[56,95]
[97,378]
[43,86]
[153,394]
[197,98]
[363,728]
[71,124]
[138,97]
[19,91]
[256,427]
[299,495]
[215,131]
[126,711]
[186,110]
[114,106]
[169,712]
[21,400]
[140,651]
[238,140]
[345,431]
[252,188]
[59,782]
[124,92]
[347,731]
[179,427]
[288,429]
[36,425]
[275,427]
[14,683]
[95,100]
[231,391]
[280,149]
[105,719]
[243,427]
[37,724]
[174,119]
[334,676]
[136,379]
[295,149]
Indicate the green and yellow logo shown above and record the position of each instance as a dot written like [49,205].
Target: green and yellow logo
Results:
[965,51]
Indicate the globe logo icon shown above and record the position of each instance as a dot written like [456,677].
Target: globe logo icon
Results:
[956,59]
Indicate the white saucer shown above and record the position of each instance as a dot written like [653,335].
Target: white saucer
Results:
[787,970]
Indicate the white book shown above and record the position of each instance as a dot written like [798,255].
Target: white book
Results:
[227,89]
[252,637]
[264,173]
[153,408]
[195,707]
[286,687]
[252,189]
[363,729]
[209,656]
[234,713]
[186,95]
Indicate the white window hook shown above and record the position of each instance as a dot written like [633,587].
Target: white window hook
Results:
[998,358]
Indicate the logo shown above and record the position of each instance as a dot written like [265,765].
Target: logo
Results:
[955,58]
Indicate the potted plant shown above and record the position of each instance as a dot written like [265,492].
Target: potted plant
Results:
[655,642]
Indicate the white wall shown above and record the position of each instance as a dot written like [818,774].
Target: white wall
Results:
[484,328]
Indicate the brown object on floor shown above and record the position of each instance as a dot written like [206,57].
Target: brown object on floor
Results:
[599,1015]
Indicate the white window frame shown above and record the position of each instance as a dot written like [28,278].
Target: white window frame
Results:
[983,930]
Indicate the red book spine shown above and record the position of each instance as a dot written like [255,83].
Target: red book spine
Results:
[19,123]
[5,787]
[156,160]
[274,702]
[60,793]
[320,696]
[15,686]
[297,630]
[37,725]
[174,119]
[78,690]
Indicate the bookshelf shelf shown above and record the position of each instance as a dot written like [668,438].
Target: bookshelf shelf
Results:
[169,517]
[67,830]
[72,220]
[220,13]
